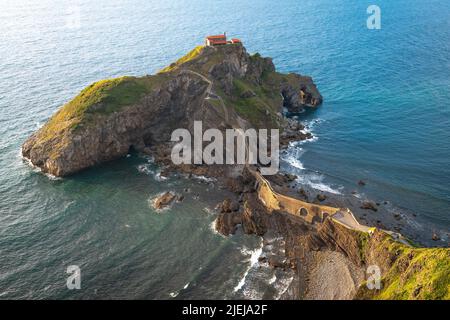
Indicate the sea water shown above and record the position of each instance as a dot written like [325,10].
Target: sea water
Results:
[385,119]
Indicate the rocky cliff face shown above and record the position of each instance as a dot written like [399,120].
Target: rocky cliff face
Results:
[100,137]
[224,87]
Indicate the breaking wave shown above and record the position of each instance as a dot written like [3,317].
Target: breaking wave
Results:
[254,256]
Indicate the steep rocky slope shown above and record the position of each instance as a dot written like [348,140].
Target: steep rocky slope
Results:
[332,261]
[224,87]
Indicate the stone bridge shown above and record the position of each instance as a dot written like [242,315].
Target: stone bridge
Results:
[310,212]
[275,201]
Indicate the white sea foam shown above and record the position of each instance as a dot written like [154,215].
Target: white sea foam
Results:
[159,177]
[176,293]
[315,181]
[309,125]
[38,169]
[282,285]
[323,187]
[149,158]
[52,177]
[357,195]
[147,168]
[292,157]
[272,280]
[208,210]
[212,227]
[254,256]
[294,162]
[203,178]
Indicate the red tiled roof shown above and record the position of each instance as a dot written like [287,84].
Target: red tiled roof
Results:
[216,37]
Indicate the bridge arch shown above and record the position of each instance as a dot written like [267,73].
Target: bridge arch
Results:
[303,212]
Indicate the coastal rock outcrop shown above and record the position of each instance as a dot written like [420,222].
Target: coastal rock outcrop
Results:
[164,200]
[300,91]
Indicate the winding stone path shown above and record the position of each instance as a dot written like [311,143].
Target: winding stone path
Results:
[210,94]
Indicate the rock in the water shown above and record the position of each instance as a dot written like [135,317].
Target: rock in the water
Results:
[435,237]
[321,197]
[164,200]
[369,205]
[361,183]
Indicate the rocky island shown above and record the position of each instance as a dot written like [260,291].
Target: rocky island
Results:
[226,87]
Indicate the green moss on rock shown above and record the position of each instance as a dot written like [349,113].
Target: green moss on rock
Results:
[413,273]
[256,103]
[100,98]
[194,53]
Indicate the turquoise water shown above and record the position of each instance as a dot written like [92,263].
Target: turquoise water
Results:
[385,119]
